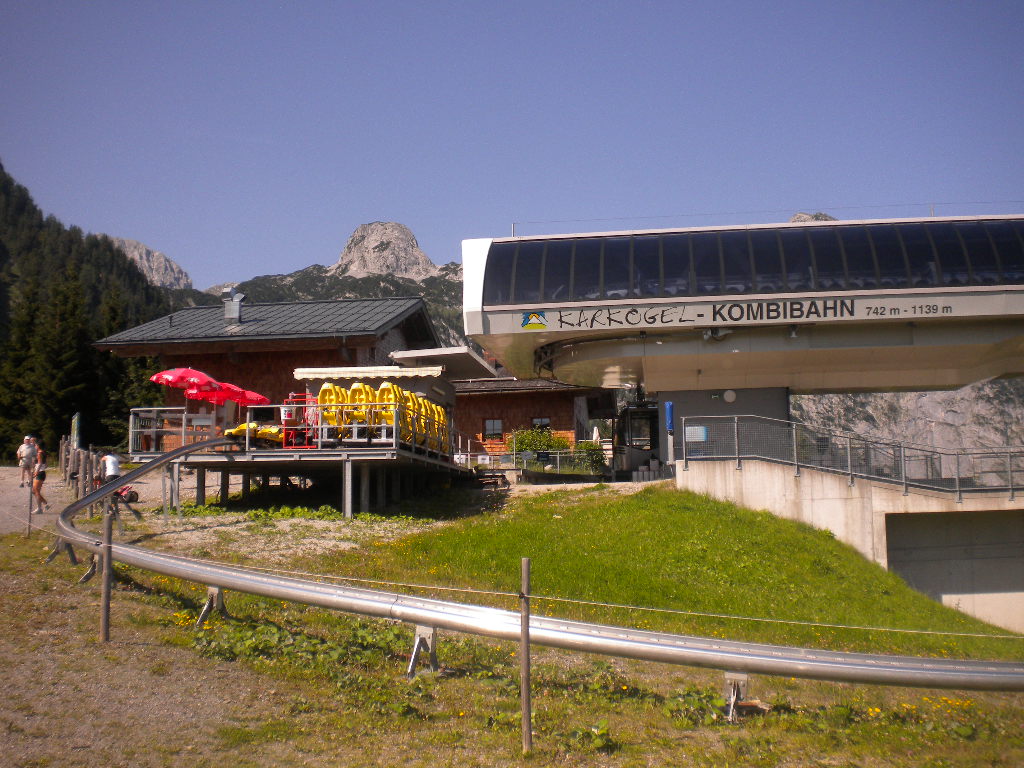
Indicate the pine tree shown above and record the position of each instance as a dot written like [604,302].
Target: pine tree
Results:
[63,371]
[15,382]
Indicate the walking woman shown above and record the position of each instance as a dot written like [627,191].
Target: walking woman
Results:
[38,478]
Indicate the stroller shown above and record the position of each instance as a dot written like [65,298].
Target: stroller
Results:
[124,495]
[127,494]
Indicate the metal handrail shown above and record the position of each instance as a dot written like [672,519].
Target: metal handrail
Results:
[739,438]
[496,623]
[407,429]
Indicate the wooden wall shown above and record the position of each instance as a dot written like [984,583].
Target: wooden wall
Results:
[516,411]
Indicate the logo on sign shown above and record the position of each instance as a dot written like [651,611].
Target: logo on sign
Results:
[534,320]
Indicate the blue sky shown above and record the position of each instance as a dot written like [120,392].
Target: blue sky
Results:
[247,138]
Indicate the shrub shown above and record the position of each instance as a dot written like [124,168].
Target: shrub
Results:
[536,439]
[590,455]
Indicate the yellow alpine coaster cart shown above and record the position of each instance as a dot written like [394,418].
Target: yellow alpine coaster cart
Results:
[361,414]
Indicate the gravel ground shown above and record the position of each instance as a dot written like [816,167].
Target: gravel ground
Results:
[68,700]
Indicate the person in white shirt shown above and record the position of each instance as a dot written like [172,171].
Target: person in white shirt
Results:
[111,467]
[27,459]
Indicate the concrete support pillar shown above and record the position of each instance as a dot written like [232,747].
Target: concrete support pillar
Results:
[364,487]
[396,485]
[346,489]
[201,486]
[225,486]
[246,478]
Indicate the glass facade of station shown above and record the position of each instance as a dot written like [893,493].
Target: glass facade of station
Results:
[791,259]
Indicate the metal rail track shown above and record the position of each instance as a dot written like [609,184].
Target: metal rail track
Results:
[496,623]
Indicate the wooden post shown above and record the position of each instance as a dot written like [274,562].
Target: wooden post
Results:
[225,487]
[200,486]
[364,487]
[382,488]
[396,485]
[83,472]
[89,470]
[108,570]
[176,487]
[163,491]
[28,517]
[524,658]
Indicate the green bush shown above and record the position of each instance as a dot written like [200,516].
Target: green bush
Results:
[590,455]
[536,439]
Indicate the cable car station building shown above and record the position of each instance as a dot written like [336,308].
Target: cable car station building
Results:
[728,321]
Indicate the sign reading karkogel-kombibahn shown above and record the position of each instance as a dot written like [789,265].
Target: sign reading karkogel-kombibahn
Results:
[757,311]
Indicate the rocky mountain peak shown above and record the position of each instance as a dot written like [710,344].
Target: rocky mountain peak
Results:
[819,216]
[157,268]
[384,248]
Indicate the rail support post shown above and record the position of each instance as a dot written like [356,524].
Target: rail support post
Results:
[93,568]
[736,687]
[59,545]
[214,600]
[425,640]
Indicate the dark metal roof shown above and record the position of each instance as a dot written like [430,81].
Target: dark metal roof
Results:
[284,320]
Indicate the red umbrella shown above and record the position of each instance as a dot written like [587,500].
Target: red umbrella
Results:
[251,398]
[219,396]
[185,378]
[227,392]
[215,396]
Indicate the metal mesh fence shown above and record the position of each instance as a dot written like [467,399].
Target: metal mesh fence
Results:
[801,445]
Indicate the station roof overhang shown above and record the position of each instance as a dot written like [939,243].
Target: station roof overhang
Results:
[976,334]
[458,362]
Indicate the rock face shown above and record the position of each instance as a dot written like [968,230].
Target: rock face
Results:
[819,216]
[381,259]
[983,415]
[384,248]
[219,288]
[157,268]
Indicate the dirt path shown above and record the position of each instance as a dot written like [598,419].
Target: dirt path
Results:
[14,499]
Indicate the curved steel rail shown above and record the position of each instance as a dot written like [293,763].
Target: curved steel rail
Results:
[571,635]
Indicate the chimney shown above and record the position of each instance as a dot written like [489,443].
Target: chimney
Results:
[232,305]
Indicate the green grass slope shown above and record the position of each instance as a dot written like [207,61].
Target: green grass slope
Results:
[685,553]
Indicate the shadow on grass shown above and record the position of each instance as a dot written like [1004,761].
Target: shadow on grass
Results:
[461,500]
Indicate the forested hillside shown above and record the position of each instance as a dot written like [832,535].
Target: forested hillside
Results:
[60,290]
